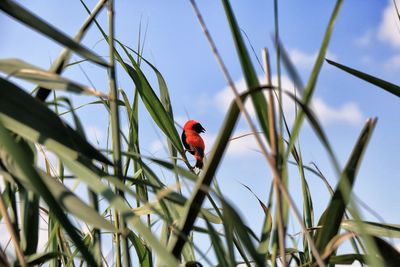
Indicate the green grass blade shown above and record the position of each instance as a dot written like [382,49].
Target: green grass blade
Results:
[23,166]
[154,105]
[312,81]
[373,228]
[143,251]
[62,60]
[390,255]
[334,213]
[347,259]
[242,231]
[250,75]
[29,220]
[164,98]
[217,246]
[24,16]
[90,174]
[41,258]
[10,194]
[387,86]
[267,227]
[20,69]
[74,204]
[23,114]
[192,208]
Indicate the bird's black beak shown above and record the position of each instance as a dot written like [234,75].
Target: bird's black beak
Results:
[198,128]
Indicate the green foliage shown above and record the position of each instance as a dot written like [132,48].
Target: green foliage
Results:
[30,127]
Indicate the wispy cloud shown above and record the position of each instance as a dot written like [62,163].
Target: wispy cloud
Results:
[348,113]
[389,28]
[393,63]
[306,60]
[366,39]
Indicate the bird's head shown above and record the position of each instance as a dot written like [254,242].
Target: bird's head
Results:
[192,125]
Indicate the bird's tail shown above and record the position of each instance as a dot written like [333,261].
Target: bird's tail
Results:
[199,162]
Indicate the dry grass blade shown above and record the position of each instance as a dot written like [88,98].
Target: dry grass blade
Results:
[10,229]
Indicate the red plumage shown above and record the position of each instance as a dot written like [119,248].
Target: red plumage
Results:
[193,142]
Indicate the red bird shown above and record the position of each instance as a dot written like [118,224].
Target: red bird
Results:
[193,142]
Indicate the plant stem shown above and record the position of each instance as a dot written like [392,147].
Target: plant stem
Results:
[10,229]
[116,141]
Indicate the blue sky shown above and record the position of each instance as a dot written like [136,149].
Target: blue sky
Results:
[365,37]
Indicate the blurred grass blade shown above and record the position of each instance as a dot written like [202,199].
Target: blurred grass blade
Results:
[164,97]
[74,205]
[242,231]
[151,207]
[390,255]
[154,105]
[62,60]
[143,251]
[192,208]
[40,259]
[290,67]
[387,86]
[250,75]
[20,69]
[23,15]
[17,160]
[149,97]
[312,81]
[373,228]
[90,174]
[347,259]
[334,213]
[29,220]
[263,246]
[217,246]
[23,114]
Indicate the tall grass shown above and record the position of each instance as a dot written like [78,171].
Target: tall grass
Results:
[121,173]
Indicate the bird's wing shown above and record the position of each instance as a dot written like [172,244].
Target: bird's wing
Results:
[185,144]
[199,151]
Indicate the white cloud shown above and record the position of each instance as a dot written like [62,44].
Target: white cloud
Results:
[366,60]
[389,27]
[348,113]
[365,39]
[306,60]
[393,63]
[242,143]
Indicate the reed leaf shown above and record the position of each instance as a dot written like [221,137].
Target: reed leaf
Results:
[387,86]
[334,213]
[21,14]
[20,69]
[18,162]
[28,117]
